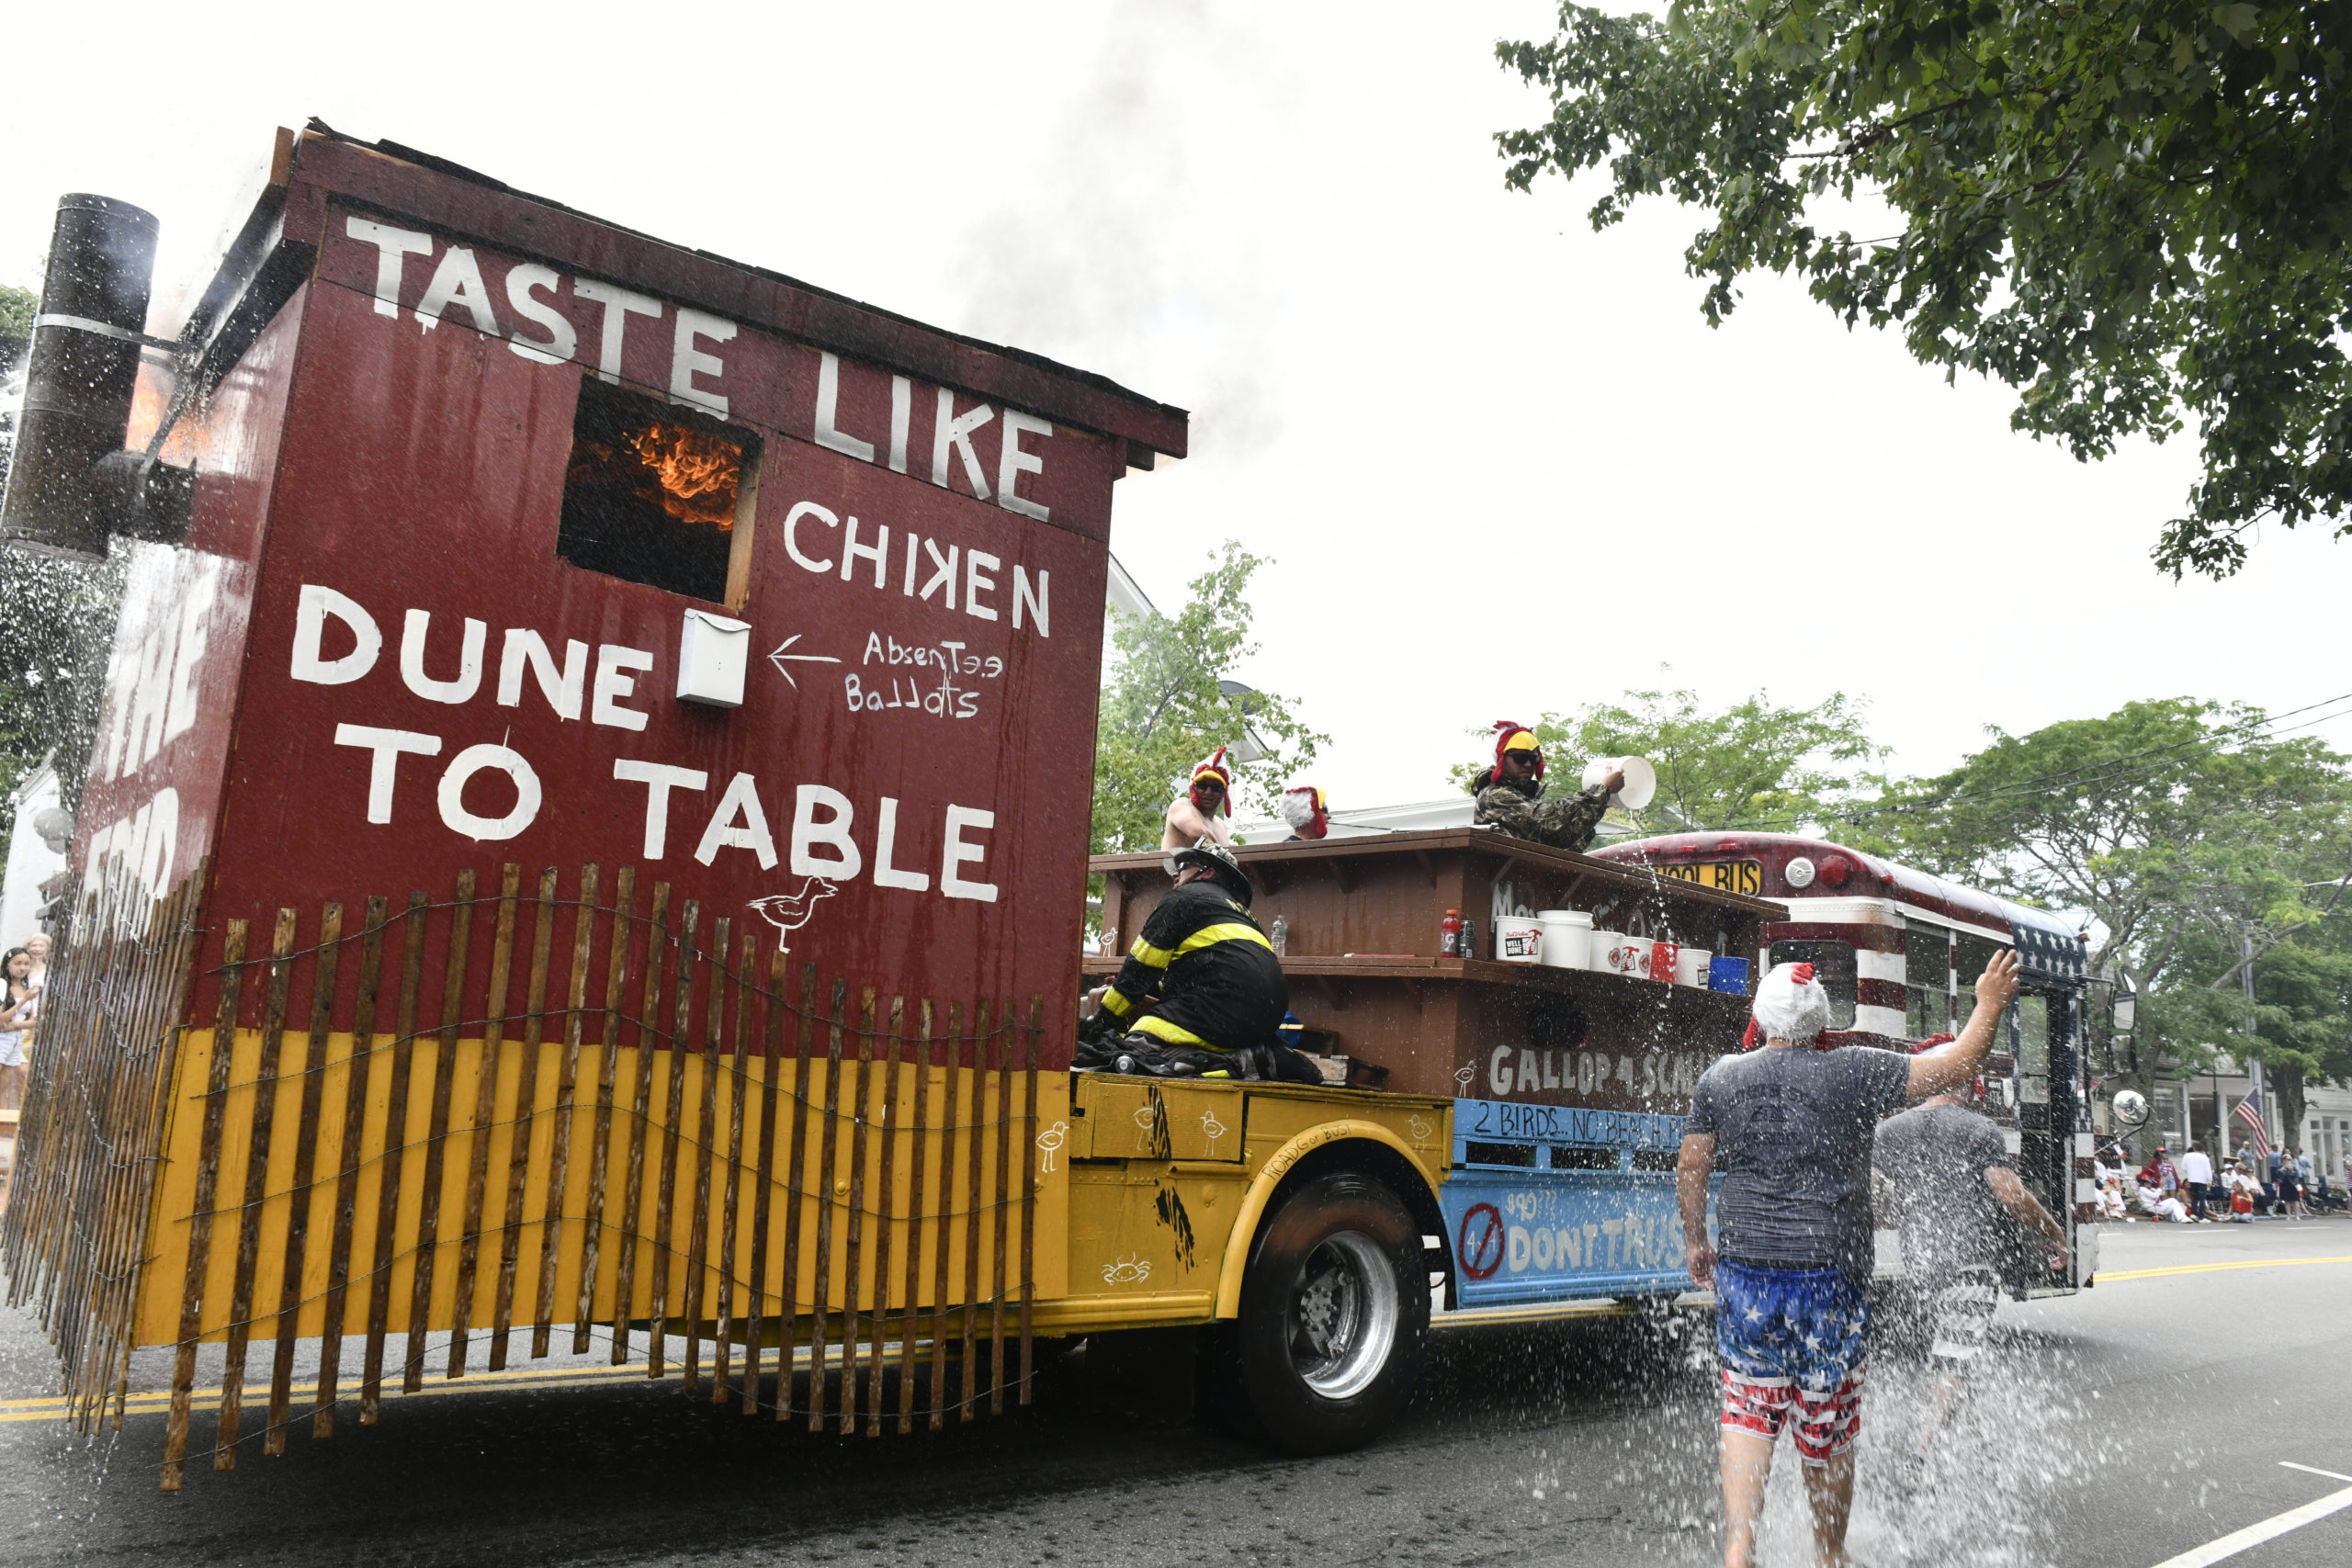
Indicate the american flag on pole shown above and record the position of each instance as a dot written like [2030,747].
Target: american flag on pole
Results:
[2249,1111]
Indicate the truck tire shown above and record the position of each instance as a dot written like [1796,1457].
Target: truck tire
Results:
[1335,1315]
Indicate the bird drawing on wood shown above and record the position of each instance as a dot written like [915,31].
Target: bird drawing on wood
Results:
[1049,1140]
[787,912]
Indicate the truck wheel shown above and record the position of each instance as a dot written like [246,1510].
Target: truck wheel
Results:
[1335,1315]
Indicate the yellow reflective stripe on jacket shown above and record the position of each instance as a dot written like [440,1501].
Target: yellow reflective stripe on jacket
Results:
[1149,956]
[1209,936]
[1160,1028]
[1115,1003]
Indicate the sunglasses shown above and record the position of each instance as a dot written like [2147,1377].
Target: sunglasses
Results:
[1208,786]
[1522,756]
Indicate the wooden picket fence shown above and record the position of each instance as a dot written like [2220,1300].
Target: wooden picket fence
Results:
[83,1186]
[836,1169]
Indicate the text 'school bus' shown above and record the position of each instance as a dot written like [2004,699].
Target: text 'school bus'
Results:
[586,844]
[1899,952]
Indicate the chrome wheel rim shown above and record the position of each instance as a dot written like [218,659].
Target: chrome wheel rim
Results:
[1342,1317]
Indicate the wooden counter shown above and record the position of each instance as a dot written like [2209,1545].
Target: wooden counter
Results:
[1363,917]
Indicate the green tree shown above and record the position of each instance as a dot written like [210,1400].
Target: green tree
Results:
[2302,1013]
[2135,212]
[1163,711]
[2303,1016]
[17,308]
[2189,835]
[1748,765]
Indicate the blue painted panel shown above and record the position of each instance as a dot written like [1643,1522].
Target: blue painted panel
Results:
[1538,1236]
[1507,1122]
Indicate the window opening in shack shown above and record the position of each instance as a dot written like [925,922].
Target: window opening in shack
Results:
[1833,965]
[657,495]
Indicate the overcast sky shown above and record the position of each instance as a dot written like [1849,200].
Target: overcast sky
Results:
[1501,464]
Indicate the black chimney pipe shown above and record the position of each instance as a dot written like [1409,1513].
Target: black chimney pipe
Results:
[79,377]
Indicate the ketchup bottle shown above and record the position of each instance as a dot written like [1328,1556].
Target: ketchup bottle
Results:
[1449,935]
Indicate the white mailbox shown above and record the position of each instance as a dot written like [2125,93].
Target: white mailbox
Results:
[713,654]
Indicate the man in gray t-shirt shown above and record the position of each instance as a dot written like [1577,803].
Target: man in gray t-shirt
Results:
[1793,1128]
[1939,1161]
[1948,1172]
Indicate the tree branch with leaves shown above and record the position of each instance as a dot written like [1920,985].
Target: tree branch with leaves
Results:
[2132,212]
[1162,710]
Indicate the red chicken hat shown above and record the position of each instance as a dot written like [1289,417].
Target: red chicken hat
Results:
[1791,1004]
[1215,763]
[1512,736]
[1306,810]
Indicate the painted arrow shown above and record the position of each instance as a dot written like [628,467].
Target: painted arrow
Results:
[783,660]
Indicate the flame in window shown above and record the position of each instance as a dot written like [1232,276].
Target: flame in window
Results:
[696,473]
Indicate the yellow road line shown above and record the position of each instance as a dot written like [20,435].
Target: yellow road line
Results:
[154,1401]
[2103,1277]
[527,1377]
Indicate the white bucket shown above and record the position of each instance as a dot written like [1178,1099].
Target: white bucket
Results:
[1567,938]
[1614,953]
[1518,940]
[1690,966]
[1641,780]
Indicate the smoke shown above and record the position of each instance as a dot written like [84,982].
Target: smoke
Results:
[1138,248]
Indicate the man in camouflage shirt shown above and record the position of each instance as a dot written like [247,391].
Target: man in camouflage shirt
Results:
[1511,795]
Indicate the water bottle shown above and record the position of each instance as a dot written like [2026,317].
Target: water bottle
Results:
[1469,937]
[1280,937]
[1449,935]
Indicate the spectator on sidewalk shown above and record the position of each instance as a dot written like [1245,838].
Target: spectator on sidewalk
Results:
[17,1006]
[2161,1173]
[2197,1172]
[2159,1205]
[2241,1187]
[1793,1128]
[2291,1188]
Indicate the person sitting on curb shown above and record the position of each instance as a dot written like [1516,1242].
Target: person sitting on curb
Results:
[1220,992]
[2241,1190]
[1793,1128]
[1511,795]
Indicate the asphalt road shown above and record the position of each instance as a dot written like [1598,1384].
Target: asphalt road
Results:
[2125,1426]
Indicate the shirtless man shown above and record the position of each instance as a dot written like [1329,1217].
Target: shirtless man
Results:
[1196,815]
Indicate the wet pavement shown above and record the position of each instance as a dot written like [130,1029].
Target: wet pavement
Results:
[2152,1415]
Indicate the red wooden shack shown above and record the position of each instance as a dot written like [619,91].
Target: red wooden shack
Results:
[569,653]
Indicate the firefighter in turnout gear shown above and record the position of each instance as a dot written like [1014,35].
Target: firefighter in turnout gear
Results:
[1220,993]
[1511,795]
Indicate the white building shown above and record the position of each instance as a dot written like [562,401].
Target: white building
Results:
[34,856]
[2203,1110]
